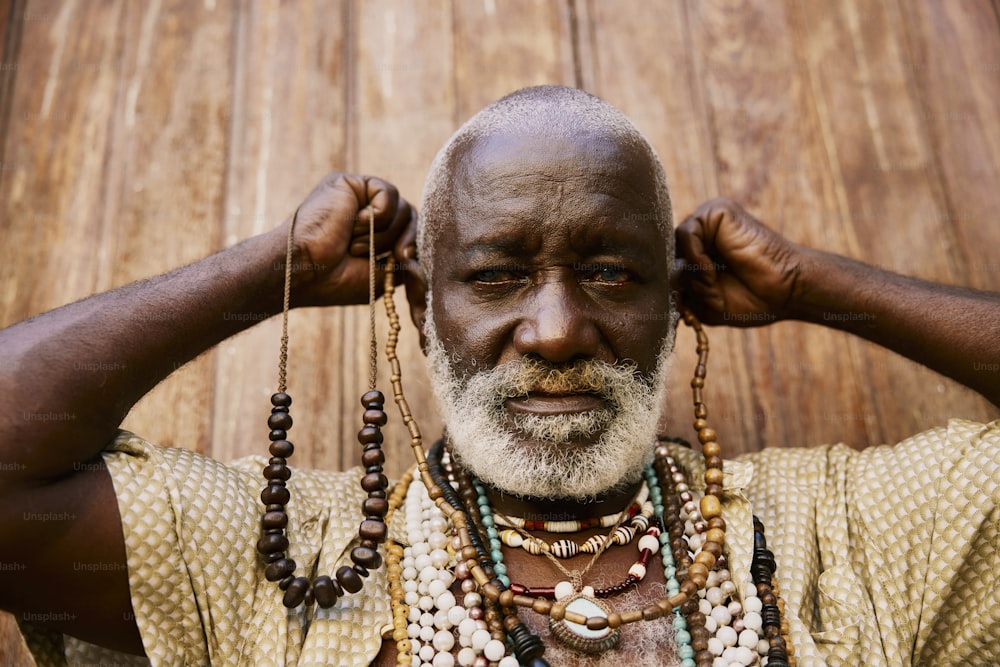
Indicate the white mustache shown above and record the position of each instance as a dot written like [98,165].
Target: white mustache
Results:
[523,377]
[526,454]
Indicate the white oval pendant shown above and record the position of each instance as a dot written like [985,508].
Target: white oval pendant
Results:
[579,636]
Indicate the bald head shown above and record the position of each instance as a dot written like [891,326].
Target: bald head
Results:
[548,114]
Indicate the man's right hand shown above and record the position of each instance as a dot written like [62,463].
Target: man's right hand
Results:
[330,258]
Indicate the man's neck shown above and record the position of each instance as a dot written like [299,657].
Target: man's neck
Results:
[561,509]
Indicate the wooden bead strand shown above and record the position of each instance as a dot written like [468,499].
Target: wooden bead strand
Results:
[273,543]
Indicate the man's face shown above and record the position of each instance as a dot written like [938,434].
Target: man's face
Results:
[550,298]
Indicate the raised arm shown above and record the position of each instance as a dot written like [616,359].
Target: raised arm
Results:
[57,505]
[738,271]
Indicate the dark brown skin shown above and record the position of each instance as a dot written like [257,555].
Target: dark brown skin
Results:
[553,254]
[173,318]
[952,330]
[507,288]
[554,257]
[554,311]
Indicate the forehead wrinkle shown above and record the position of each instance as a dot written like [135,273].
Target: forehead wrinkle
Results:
[502,245]
[601,163]
[496,243]
[609,184]
[516,194]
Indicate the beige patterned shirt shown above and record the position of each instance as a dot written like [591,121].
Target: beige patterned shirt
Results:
[887,556]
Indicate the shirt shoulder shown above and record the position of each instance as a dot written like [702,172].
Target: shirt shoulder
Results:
[191,526]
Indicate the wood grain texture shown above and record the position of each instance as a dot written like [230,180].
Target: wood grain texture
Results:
[288,128]
[404,105]
[659,90]
[137,137]
[764,152]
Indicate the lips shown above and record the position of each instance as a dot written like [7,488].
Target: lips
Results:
[543,404]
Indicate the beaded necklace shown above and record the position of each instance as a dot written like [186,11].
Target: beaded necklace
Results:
[648,544]
[570,592]
[720,623]
[433,614]
[639,512]
[273,542]
[571,526]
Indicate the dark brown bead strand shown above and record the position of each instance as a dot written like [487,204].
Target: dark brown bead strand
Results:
[273,542]
[762,570]
[372,531]
[477,531]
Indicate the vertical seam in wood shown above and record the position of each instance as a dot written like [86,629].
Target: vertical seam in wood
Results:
[350,64]
[234,133]
[699,96]
[456,113]
[11,49]
[855,349]
[343,323]
[592,50]
[739,356]
[237,71]
[830,147]
[112,166]
[574,37]
[935,176]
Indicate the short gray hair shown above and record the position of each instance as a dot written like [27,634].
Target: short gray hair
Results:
[554,111]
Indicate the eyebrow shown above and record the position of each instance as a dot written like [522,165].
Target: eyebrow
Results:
[491,247]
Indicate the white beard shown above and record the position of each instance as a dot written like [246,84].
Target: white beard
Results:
[478,424]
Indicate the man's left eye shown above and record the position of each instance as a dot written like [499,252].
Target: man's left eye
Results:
[610,274]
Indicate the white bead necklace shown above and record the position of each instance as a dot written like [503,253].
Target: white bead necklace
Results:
[735,626]
[443,630]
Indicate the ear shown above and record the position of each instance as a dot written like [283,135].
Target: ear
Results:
[677,284]
[416,293]
[411,274]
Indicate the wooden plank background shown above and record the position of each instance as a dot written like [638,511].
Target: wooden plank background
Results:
[136,137]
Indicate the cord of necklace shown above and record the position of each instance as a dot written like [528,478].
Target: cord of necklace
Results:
[373,341]
[286,300]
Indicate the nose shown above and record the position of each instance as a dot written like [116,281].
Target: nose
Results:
[556,325]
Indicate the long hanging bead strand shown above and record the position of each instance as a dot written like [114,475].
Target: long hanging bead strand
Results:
[656,490]
[463,498]
[394,555]
[273,543]
[710,505]
[676,491]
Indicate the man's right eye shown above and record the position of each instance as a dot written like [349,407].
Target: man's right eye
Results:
[494,276]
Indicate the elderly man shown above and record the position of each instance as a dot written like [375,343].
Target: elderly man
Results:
[550,526]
